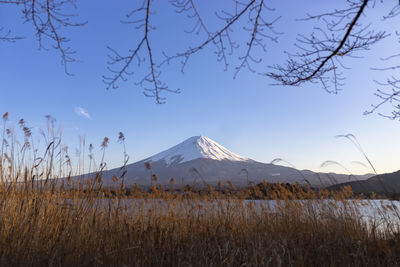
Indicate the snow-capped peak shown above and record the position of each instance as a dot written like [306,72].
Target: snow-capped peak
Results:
[196,147]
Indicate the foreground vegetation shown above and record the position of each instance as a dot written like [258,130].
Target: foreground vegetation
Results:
[47,225]
[50,222]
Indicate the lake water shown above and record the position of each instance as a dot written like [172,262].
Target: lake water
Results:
[380,214]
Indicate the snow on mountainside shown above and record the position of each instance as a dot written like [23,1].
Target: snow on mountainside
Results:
[194,148]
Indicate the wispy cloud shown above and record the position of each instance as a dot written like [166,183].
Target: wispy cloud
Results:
[83,112]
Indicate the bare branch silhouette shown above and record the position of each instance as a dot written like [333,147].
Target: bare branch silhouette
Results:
[321,54]
[8,37]
[392,97]
[151,81]
[48,18]
[220,39]
[337,35]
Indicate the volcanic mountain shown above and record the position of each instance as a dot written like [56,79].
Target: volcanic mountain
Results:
[200,160]
[196,147]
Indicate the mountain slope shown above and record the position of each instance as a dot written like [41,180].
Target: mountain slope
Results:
[383,183]
[200,160]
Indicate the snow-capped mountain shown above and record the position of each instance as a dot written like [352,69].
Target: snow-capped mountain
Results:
[200,160]
[196,147]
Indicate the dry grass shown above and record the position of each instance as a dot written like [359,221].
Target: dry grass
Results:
[43,227]
[43,223]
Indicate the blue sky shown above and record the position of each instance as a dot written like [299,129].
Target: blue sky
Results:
[247,114]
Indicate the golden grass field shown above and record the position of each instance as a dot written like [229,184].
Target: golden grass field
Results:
[49,222]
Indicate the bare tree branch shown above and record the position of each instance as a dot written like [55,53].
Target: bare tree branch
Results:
[48,18]
[259,26]
[7,37]
[220,39]
[323,51]
[213,37]
[189,7]
[319,57]
[151,82]
[391,97]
